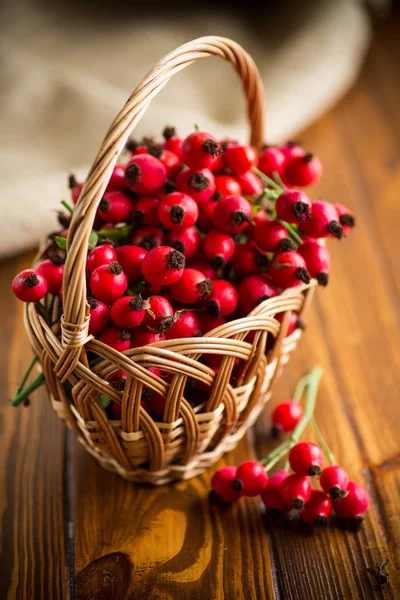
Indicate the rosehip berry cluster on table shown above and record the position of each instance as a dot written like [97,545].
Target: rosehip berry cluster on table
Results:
[192,233]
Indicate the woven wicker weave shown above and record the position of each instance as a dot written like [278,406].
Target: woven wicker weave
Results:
[188,439]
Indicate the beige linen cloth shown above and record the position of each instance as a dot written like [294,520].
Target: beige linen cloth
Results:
[65,75]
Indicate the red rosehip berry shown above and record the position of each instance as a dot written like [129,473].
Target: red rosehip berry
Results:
[221,483]
[346,218]
[185,325]
[250,183]
[173,142]
[145,212]
[240,159]
[317,510]
[253,290]
[117,179]
[108,282]
[218,248]
[141,337]
[271,236]
[192,287]
[286,415]
[306,458]
[52,269]
[223,299]
[200,150]
[259,217]
[206,211]
[163,266]
[75,188]
[354,504]
[324,221]
[99,315]
[317,259]
[288,269]
[334,481]
[145,174]
[199,184]
[101,255]
[251,478]
[303,170]
[128,312]
[130,258]
[177,211]
[293,206]
[272,160]
[200,264]
[232,214]
[295,491]
[187,242]
[227,185]
[170,161]
[148,238]
[292,149]
[29,286]
[116,338]
[294,322]
[158,311]
[207,322]
[271,496]
[115,207]
[248,259]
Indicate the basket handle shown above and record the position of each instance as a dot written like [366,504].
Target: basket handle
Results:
[74,323]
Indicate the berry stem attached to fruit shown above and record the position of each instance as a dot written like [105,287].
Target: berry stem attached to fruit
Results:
[67,206]
[321,441]
[292,232]
[267,180]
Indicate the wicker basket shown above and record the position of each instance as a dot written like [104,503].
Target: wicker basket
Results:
[188,439]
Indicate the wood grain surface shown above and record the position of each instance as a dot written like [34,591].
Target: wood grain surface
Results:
[70,529]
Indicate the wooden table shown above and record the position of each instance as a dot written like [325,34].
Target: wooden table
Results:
[70,527]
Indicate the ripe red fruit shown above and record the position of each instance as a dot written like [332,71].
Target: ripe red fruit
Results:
[259,217]
[271,236]
[240,159]
[101,255]
[75,188]
[177,211]
[334,481]
[250,183]
[221,483]
[201,265]
[218,248]
[354,504]
[303,170]
[99,315]
[159,309]
[108,282]
[251,478]
[346,218]
[295,491]
[187,242]
[306,458]
[145,174]
[29,286]
[200,150]
[253,290]
[173,142]
[52,269]
[207,322]
[294,322]
[293,206]
[200,184]
[130,258]
[227,185]
[115,207]
[170,161]
[148,238]
[317,259]
[117,179]
[145,212]
[271,495]
[163,266]
[206,211]
[317,510]
[192,287]
[248,259]
[288,269]
[116,338]
[128,312]
[324,221]
[141,337]
[286,415]
[186,325]
[292,149]
[232,214]
[272,160]
[223,299]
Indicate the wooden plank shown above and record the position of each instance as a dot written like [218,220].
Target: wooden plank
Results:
[31,469]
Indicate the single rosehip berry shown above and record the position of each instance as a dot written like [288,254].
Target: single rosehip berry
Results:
[221,483]
[99,315]
[115,207]
[206,211]
[303,170]
[227,185]
[199,184]
[292,149]
[145,212]
[232,214]
[117,180]
[271,496]
[324,221]
[145,174]
[306,458]
[293,206]
[159,309]
[177,211]
[116,338]
[108,282]
[218,249]
[207,322]
[173,142]
[354,504]
[271,236]
[288,269]
[141,337]
[101,255]
[295,491]
[286,415]
[253,290]
[200,150]
[128,312]
[130,258]
[75,188]
[317,510]
[272,160]
[171,162]
[29,286]
[259,217]
[294,322]
[52,269]
[163,266]
[346,218]
[240,159]
[334,481]
[148,238]
[251,478]
[223,299]
[185,325]
[192,287]
[200,264]
[187,242]
[250,183]
[317,259]
[248,259]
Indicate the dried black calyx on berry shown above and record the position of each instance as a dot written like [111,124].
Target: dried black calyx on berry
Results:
[323,279]
[348,220]
[303,275]
[179,245]
[335,229]
[292,143]
[63,219]
[300,324]
[276,431]
[137,303]
[205,288]
[176,260]
[198,181]
[307,158]
[32,280]
[115,268]
[133,172]
[118,384]
[177,214]
[93,302]
[165,324]
[285,245]
[155,150]
[218,262]
[125,335]
[301,211]
[169,132]
[336,492]
[132,145]
[239,217]
[57,259]
[72,182]
[298,504]
[213,309]
[104,205]
[148,242]
[216,196]
[262,298]
[237,485]
[314,470]
[212,148]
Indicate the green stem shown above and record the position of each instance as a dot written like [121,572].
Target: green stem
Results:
[27,373]
[327,451]
[292,232]
[267,179]
[276,177]
[67,206]
[117,233]
[20,397]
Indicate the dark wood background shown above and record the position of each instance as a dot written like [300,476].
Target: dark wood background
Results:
[69,527]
